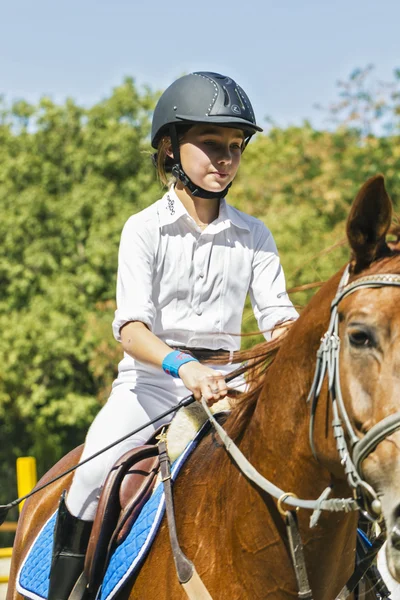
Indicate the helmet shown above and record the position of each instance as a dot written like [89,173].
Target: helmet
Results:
[203,97]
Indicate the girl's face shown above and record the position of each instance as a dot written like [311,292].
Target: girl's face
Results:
[210,155]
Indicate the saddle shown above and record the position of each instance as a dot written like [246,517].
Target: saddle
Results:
[127,488]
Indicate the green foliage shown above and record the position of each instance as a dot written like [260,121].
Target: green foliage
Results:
[368,105]
[301,182]
[69,179]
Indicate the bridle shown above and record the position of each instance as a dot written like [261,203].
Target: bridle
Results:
[353,450]
[364,496]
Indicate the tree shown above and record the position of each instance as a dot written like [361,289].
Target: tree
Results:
[69,179]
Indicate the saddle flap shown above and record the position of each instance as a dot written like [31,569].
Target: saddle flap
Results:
[135,490]
[109,508]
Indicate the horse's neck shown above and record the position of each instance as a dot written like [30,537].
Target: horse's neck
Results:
[243,523]
[276,442]
[281,417]
[277,436]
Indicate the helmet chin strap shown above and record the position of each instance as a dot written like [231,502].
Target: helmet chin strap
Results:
[196,190]
[180,174]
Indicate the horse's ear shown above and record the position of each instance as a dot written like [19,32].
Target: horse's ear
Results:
[368,223]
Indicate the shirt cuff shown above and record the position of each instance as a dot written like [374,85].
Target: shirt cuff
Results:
[120,319]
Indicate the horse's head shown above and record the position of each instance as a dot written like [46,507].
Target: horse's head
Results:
[368,314]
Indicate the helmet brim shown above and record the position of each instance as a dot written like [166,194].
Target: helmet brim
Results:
[227,121]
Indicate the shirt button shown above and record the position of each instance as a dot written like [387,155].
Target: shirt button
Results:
[198,311]
[201,275]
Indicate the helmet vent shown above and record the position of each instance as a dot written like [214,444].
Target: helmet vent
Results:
[240,99]
[226,96]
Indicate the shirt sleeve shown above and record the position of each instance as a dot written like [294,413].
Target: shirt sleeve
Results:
[135,276]
[268,295]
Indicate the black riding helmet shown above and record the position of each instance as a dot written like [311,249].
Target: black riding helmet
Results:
[201,97]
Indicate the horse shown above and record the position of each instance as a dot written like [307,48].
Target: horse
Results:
[234,532]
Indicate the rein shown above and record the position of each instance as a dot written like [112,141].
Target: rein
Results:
[4,508]
[365,498]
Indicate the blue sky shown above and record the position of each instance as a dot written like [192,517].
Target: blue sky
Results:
[288,55]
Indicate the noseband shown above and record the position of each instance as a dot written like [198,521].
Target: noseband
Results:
[353,450]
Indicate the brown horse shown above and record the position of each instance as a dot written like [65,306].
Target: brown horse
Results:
[233,533]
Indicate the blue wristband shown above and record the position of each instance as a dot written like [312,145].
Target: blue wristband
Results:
[174,360]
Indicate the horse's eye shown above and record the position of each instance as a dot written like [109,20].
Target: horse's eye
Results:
[360,339]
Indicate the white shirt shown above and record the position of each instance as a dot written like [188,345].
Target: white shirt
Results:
[189,286]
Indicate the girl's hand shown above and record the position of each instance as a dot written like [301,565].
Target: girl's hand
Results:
[203,381]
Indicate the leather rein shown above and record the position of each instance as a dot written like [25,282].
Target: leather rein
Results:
[352,450]
[364,497]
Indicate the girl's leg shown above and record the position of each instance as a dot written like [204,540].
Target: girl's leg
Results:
[127,409]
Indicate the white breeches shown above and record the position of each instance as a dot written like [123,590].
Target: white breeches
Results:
[130,405]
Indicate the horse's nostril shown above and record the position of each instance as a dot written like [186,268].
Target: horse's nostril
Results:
[395,536]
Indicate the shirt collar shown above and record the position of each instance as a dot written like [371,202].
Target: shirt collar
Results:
[172,209]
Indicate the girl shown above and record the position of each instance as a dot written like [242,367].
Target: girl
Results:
[186,264]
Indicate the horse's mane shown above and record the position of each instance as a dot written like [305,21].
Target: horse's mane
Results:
[394,232]
[262,355]
[258,360]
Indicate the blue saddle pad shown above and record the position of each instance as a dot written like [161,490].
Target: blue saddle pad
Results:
[33,577]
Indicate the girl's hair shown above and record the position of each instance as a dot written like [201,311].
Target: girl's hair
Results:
[162,161]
